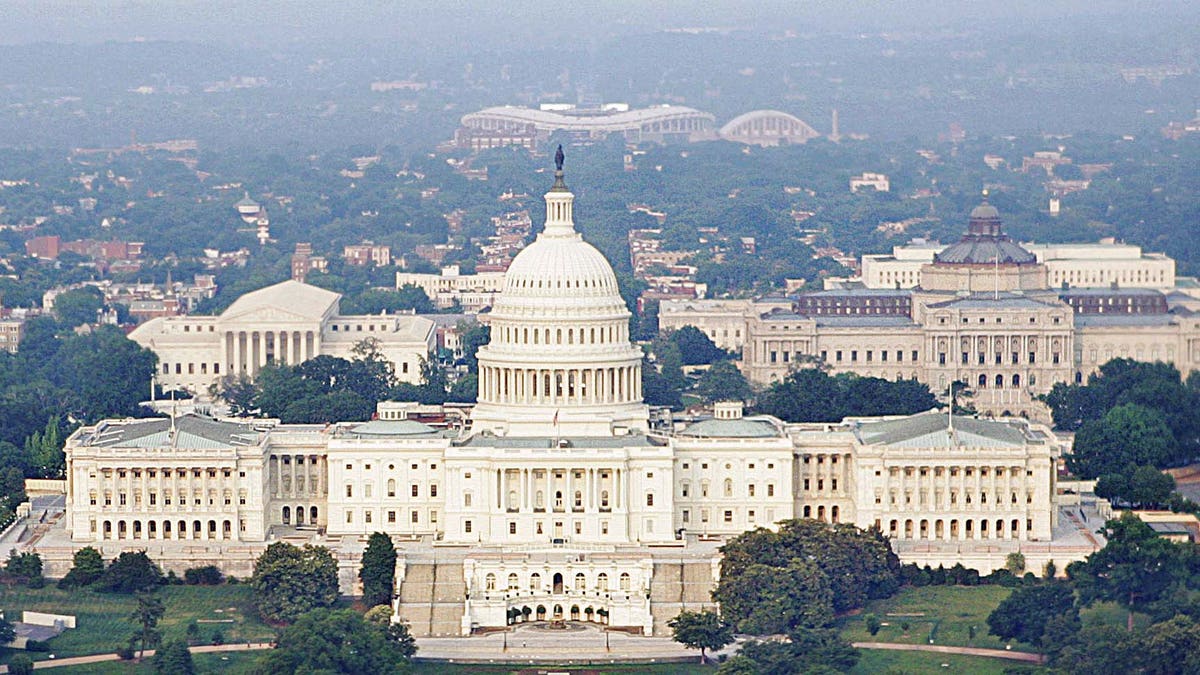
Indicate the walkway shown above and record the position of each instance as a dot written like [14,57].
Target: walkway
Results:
[100,658]
[943,649]
[579,643]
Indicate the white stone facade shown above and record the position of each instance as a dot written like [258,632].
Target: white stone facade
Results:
[289,323]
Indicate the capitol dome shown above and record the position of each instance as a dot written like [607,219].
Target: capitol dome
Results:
[560,362]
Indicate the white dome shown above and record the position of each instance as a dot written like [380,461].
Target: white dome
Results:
[559,360]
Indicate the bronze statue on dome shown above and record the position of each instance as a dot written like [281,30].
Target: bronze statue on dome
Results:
[558,158]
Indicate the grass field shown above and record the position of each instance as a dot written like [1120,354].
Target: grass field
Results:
[630,669]
[234,663]
[875,661]
[104,623]
[943,613]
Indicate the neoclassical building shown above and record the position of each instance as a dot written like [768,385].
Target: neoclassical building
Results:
[559,500]
[288,323]
[981,311]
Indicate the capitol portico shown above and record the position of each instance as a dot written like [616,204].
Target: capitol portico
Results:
[559,500]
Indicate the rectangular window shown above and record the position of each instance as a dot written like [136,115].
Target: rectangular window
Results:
[729,516]
[349,490]
[433,490]
[415,517]
[512,528]
[415,490]
[687,515]
[770,489]
[467,526]
[391,516]
[349,516]
[367,516]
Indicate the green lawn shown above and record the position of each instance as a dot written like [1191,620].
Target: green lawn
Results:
[233,663]
[625,669]
[943,613]
[104,624]
[875,661]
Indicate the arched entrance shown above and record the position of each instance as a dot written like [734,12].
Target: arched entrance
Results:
[558,612]
[574,612]
[558,584]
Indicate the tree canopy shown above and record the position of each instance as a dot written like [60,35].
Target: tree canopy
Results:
[289,580]
[130,572]
[812,395]
[1023,614]
[378,571]
[1129,434]
[337,641]
[703,630]
[800,575]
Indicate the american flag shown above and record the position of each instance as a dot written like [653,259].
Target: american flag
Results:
[555,418]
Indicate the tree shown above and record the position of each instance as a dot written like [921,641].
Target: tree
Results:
[20,664]
[805,651]
[473,336]
[79,306]
[1023,614]
[811,395]
[399,635]
[765,599]
[723,382]
[289,581]
[873,624]
[702,630]
[239,392]
[130,572]
[8,632]
[1135,568]
[1171,646]
[88,566]
[1127,434]
[25,567]
[148,612]
[205,575]
[334,641]
[695,347]
[174,658]
[1015,562]
[378,572]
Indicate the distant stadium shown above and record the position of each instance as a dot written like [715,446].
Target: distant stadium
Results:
[510,125]
[531,128]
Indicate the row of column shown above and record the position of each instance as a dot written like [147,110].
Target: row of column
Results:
[1000,490]
[515,490]
[169,482]
[316,476]
[560,386]
[247,352]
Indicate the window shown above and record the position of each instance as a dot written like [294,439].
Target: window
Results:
[433,490]
[466,499]
[415,517]
[349,516]
[512,528]
[750,489]
[349,490]
[416,490]
[467,526]
[489,582]
[728,516]
[770,489]
[625,581]
[391,516]
[367,516]
[649,499]
[391,487]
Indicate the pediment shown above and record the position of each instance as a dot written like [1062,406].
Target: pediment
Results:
[261,315]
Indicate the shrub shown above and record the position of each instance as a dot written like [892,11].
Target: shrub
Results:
[873,624]
[207,575]
[20,665]
[37,646]
[126,653]
[218,638]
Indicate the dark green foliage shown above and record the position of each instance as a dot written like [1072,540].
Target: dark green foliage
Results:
[811,395]
[207,575]
[174,658]
[1121,382]
[1135,568]
[695,347]
[7,631]
[802,574]
[378,572]
[473,336]
[702,630]
[130,572]
[723,382]
[79,306]
[20,665]
[1127,434]
[146,615]
[1141,486]
[289,581]
[873,624]
[1023,614]
[24,567]
[322,389]
[335,641]
[805,651]
[87,568]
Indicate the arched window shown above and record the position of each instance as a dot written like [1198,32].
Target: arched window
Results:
[999,381]
[512,581]
[391,487]
[728,487]
[1016,381]
[580,581]
[535,582]
[602,581]
[624,581]
[489,582]
[983,381]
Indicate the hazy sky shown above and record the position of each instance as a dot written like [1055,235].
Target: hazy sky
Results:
[497,22]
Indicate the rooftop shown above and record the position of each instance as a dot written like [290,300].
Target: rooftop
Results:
[932,429]
[747,427]
[189,431]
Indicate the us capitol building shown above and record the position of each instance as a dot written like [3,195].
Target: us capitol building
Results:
[559,500]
